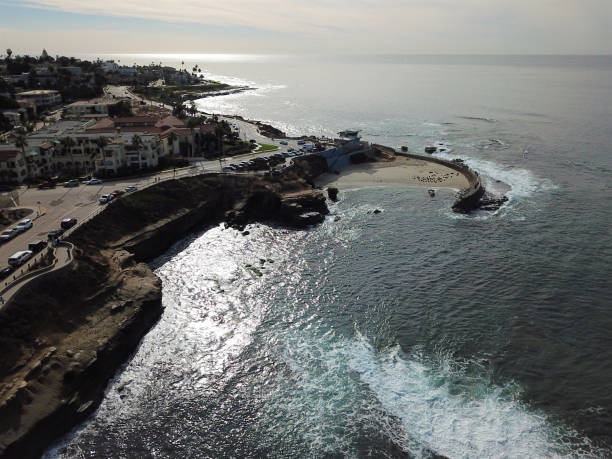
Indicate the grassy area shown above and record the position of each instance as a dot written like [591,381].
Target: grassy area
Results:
[197,87]
[263,147]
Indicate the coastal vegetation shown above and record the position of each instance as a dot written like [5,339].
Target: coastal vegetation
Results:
[171,94]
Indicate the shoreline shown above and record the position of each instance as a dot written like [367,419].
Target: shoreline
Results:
[54,376]
[401,172]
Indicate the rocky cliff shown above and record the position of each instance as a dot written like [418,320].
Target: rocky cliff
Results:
[65,335]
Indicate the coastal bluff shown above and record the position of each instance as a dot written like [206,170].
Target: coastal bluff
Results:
[65,335]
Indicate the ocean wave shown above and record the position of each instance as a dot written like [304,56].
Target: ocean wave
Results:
[421,405]
[523,182]
[445,411]
[479,118]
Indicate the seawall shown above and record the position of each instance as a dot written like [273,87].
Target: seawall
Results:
[467,199]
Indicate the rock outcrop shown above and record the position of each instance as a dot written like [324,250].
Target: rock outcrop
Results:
[64,337]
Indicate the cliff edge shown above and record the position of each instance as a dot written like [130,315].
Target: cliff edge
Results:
[66,334]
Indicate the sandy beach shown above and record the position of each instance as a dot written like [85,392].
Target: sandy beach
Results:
[400,172]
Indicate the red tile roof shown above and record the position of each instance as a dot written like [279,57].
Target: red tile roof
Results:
[8,154]
[170,121]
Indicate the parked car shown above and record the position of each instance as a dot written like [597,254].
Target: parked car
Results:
[68,223]
[54,234]
[131,189]
[5,271]
[284,142]
[105,198]
[24,225]
[93,181]
[301,142]
[47,184]
[8,234]
[117,193]
[37,245]
[71,183]
[227,169]
[19,258]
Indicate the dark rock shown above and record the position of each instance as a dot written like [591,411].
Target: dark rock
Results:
[332,192]
[245,233]
[430,149]
[337,218]
[308,218]
[377,211]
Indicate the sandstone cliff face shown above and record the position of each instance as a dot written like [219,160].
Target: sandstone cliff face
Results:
[64,336]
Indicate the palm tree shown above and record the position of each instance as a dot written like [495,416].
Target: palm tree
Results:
[172,137]
[219,134]
[193,110]
[21,142]
[68,143]
[100,142]
[138,144]
[179,109]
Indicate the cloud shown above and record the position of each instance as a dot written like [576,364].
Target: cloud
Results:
[412,26]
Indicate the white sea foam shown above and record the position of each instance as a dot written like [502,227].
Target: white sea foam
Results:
[448,423]
[422,406]
[523,182]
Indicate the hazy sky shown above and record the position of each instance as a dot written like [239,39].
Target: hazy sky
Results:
[308,26]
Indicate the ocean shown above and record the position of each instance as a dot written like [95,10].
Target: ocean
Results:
[415,332]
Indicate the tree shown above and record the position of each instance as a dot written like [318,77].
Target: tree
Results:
[9,53]
[100,142]
[172,137]
[219,134]
[21,142]
[68,143]
[137,144]
[193,110]
[179,109]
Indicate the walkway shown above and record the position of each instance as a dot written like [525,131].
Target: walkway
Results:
[62,257]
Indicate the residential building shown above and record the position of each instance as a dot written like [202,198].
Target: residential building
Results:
[90,109]
[41,98]
[12,164]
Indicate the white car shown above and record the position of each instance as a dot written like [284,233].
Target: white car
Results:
[131,189]
[19,258]
[94,181]
[105,198]
[24,225]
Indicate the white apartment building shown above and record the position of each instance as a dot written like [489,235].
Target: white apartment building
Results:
[40,98]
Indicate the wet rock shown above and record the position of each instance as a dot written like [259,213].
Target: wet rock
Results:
[246,233]
[332,192]
[430,149]
[377,211]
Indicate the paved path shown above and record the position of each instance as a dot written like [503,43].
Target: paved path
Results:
[63,257]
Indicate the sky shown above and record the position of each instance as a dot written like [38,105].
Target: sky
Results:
[307,26]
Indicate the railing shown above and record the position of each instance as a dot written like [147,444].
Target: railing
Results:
[28,275]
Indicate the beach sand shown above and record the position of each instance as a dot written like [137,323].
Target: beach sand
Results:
[401,172]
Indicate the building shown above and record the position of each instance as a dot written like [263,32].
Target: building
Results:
[12,164]
[90,109]
[40,98]
[70,146]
